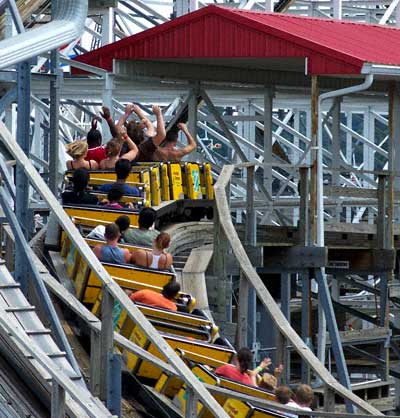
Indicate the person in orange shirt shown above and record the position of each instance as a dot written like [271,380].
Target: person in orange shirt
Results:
[159,300]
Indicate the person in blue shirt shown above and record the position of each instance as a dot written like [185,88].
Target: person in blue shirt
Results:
[122,170]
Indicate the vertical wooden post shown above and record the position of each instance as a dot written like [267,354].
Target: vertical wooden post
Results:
[95,356]
[385,241]
[336,142]
[241,334]
[304,216]
[106,339]
[219,262]
[114,384]
[268,158]
[191,403]
[306,310]
[381,221]
[251,224]
[283,354]
[246,295]
[304,240]
[57,400]
[329,399]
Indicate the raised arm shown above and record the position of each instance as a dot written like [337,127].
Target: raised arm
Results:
[107,116]
[122,120]
[160,135]
[133,149]
[151,132]
[191,143]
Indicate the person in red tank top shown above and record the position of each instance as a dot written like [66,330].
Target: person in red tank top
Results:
[96,151]
[241,371]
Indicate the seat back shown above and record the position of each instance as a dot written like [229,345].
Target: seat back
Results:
[95,215]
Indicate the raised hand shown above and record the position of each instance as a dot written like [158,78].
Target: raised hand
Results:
[156,109]
[138,111]
[129,109]
[265,363]
[106,112]
[182,126]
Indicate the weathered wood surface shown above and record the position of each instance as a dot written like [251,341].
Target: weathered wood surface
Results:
[363,335]
[269,303]
[287,258]
[337,235]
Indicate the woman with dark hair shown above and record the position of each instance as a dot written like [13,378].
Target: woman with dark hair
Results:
[96,151]
[157,258]
[79,195]
[240,370]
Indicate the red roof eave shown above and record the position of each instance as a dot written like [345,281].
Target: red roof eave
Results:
[195,35]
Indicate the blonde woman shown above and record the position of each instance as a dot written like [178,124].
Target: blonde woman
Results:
[78,151]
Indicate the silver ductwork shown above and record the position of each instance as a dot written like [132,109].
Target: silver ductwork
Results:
[66,26]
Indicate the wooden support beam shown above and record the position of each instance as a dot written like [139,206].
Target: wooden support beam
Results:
[304,219]
[294,258]
[106,339]
[95,356]
[329,400]
[57,400]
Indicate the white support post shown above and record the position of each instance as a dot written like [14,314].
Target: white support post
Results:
[268,109]
[397,13]
[369,153]
[296,155]
[107,101]
[349,153]
[107,26]
[336,141]
[269,5]
[337,9]
[183,7]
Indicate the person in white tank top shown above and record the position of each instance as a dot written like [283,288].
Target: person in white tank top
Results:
[157,258]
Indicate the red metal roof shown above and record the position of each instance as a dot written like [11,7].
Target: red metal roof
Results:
[330,46]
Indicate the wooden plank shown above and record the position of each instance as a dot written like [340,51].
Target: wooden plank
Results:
[268,301]
[364,336]
[293,258]
[351,192]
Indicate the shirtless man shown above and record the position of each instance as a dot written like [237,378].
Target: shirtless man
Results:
[169,152]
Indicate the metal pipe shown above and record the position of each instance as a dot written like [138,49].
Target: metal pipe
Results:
[320,186]
[66,26]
